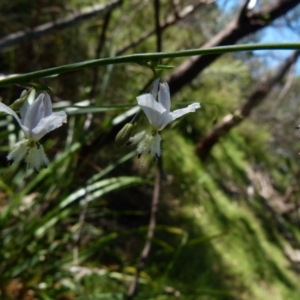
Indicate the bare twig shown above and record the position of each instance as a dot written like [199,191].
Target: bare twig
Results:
[150,234]
[286,88]
[242,12]
[175,7]
[61,23]
[78,233]
[171,20]
[157,26]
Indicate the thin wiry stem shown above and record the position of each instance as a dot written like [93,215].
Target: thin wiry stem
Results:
[157,26]
[78,233]
[150,234]
[99,49]
[143,58]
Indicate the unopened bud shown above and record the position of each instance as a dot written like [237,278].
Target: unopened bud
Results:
[124,135]
[19,102]
[24,93]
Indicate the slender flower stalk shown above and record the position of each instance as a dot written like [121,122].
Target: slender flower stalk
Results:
[37,119]
[145,57]
[159,116]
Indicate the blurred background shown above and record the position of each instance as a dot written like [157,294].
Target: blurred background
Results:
[227,225]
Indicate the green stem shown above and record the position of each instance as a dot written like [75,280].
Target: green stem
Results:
[142,58]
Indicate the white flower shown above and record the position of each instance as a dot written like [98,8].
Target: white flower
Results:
[159,116]
[147,143]
[37,119]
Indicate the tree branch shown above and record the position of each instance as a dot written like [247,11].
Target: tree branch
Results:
[59,24]
[231,120]
[285,90]
[244,24]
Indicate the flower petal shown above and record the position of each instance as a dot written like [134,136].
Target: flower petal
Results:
[148,144]
[29,100]
[40,108]
[41,159]
[144,145]
[155,88]
[48,124]
[24,108]
[36,158]
[4,108]
[155,112]
[137,138]
[180,112]
[155,150]
[164,96]
[19,151]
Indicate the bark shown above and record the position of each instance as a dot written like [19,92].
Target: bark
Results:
[59,24]
[231,120]
[245,23]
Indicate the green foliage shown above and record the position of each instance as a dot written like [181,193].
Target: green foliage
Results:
[76,229]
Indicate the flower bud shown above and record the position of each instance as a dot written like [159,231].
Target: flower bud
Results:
[124,135]
[19,102]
